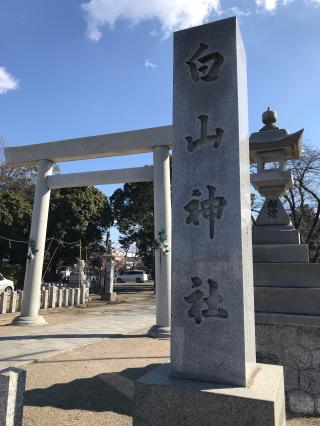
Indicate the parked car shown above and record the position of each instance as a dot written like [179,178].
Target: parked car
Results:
[134,275]
[6,285]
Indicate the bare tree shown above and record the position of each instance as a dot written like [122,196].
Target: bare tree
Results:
[1,150]
[303,200]
[20,180]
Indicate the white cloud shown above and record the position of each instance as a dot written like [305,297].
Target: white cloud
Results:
[267,4]
[271,5]
[172,14]
[234,10]
[7,82]
[149,64]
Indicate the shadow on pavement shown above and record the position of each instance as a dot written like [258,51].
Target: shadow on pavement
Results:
[26,356]
[104,392]
[72,336]
[48,361]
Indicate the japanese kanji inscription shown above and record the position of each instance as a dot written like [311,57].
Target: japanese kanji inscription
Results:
[198,301]
[205,66]
[215,140]
[210,209]
[272,208]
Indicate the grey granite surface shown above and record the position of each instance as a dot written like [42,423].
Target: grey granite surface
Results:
[164,401]
[212,289]
[12,386]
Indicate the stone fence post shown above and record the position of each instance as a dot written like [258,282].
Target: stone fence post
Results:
[83,294]
[49,298]
[3,302]
[12,386]
[45,297]
[20,296]
[77,296]
[71,298]
[13,302]
[66,297]
[60,297]
[53,297]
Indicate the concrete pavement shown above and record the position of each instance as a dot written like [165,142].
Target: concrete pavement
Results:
[87,359]
[71,328]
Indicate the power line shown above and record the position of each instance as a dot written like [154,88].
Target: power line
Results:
[13,241]
[60,242]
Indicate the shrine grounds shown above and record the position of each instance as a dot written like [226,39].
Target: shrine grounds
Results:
[89,359]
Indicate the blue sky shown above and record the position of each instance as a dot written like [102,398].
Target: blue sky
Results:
[77,68]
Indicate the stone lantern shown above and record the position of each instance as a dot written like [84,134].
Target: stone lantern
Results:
[286,285]
[270,148]
[107,289]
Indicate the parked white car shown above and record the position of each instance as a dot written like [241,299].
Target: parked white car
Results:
[133,276]
[6,285]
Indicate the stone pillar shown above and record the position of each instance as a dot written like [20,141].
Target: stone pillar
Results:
[60,297]
[66,297]
[213,373]
[3,302]
[108,293]
[162,227]
[53,297]
[19,296]
[77,296]
[45,299]
[13,302]
[71,297]
[12,387]
[212,278]
[32,282]
[83,294]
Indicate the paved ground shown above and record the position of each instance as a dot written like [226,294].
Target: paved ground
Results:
[91,385]
[86,362]
[69,328]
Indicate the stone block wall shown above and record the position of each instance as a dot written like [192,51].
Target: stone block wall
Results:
[294,342]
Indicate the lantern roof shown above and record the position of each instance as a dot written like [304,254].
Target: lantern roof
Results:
[271,139]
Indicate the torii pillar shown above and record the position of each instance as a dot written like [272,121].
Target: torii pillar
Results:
[37,240]
[162,224]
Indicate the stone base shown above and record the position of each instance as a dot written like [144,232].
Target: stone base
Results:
[294,342]
[29,321]
[296,301]
[162,401]
[284,275]
[280,253]
[110,297]
[275,235]
[158,332]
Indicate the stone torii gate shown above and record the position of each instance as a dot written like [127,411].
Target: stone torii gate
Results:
[157,140]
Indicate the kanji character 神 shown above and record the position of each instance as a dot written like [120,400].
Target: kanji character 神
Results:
[210,209]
